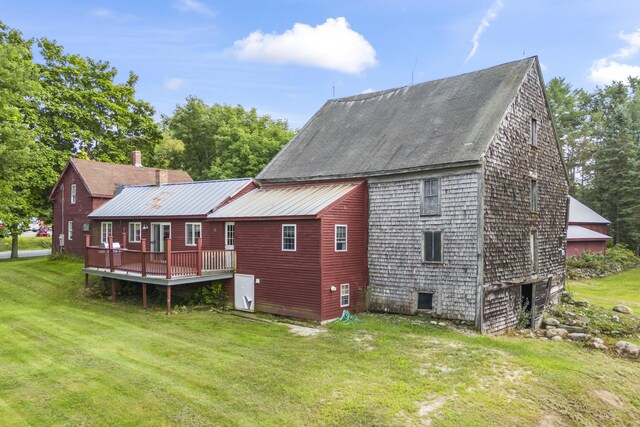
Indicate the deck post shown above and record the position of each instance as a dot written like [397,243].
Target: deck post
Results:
[113,290]
[199,255]
[144,295]
[124,238]
[111,267]
[168,300]
[168,249]
[86,281]
[143,250]
[87,243]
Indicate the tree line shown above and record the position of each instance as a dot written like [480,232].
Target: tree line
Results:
[64,105]
[599,132]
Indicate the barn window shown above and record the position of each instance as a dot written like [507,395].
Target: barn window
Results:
[73,194]
[534,132]
[192,233]
[229,235]
[135,232]
[106,230]
[425,300]
[534,195]
[533,242]
[341,238]
[432,246]
[431,196]
[344,295]
[288,237]
[70,230]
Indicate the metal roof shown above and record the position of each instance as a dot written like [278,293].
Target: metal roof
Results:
[416,127]
[308,200]
[576,232]
[581,214]
[184,199]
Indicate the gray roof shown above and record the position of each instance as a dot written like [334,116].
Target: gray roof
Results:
[416,127]
[170,200]
[575,232]
[581,214]
[284,201]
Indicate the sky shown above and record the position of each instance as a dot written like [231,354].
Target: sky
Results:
[287,58]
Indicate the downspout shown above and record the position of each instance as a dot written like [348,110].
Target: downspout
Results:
[480,278]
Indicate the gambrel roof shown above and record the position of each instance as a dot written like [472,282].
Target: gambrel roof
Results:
[444,122]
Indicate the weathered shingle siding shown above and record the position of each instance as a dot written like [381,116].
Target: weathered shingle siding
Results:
[396,270]
[509,163]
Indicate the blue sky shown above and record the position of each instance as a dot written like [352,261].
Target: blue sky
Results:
[286,58]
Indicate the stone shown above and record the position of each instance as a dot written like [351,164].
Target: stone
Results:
[572,329]
[551,333]
[556,338]
[615,319]
[627,349]
[550,321]
[576,336]
[622,309]
[581,303]
[562,333]
[530,335]
[598,343]
[442,324]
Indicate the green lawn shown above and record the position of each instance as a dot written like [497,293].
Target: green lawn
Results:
[622,288]
[69,360]
[26,243]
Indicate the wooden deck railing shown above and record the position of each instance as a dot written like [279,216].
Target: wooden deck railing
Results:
[164,264]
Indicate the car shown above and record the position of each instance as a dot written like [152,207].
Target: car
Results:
[42,233]
[34,224]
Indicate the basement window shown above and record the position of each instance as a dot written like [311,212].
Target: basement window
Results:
[432,246]
[425,300]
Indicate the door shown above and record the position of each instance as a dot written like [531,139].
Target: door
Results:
[243,292]
[159,232]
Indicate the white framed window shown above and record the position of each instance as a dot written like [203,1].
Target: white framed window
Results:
[344,295]
[534,195]
[289,237]
[432,246]
[431,196]
[533,242]
[341,238]
[534,132]
[69,230]
[193,231]
[229,235]
[135,232]
[73,194]
[106,230]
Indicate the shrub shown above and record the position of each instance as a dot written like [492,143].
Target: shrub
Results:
[617,259]
[214,295]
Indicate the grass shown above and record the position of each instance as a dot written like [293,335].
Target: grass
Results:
[69,360]
[621,288]
[26,243]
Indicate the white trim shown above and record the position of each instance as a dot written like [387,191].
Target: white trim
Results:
[193,234]
[295,237]
[132,236]
[347,294]
[73,195]
[335,237]
[161,243]
[104,237]
[69,230]
[227,246]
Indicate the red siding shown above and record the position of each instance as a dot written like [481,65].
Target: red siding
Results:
[575,248]
[345,267]
[289,281]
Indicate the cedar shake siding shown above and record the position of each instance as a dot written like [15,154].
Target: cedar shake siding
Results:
[397,272]
[511,162]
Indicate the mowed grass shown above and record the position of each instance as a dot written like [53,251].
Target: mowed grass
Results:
[26,243]
[69,360]
[621,288]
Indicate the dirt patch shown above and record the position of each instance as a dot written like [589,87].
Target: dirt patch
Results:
[305,331]
[365,341]
[551,420]
[608,398]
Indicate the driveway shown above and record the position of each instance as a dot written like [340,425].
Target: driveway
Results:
[27,254]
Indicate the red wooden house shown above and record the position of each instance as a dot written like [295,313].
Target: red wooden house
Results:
[85,185]
[301,249]
[587,231]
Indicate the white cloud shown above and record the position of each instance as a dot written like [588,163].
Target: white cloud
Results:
[368,90]
[194,6]
[332,45]
[109,14]
[607,69]
[174,83]
[485,23]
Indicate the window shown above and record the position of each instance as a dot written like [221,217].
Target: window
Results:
[288,237]
[106,230]
[192,233]
[73,194]
[431,196]
[432,246]
[341,238]
[533,241]
[135,232]
[344,295]
[230,235]
[70,230]
[534,195]
[534,132]
[425,300]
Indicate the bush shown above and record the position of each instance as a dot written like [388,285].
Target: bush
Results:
[214,295]
[617,259]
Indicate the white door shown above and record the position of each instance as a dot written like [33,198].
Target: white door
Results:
[159,232]
[243,292]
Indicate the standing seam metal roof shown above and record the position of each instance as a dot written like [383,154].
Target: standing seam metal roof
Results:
[581,213]
[184,199]
[575,232]
[284,201]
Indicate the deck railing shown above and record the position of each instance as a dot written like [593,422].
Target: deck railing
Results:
[164,264]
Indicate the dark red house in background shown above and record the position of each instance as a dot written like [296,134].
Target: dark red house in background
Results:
[85,185]
[587,230]
[301,249]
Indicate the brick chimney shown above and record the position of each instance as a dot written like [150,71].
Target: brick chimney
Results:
[162,177]
[136,158]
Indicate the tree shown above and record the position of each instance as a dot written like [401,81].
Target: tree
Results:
[222,142]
